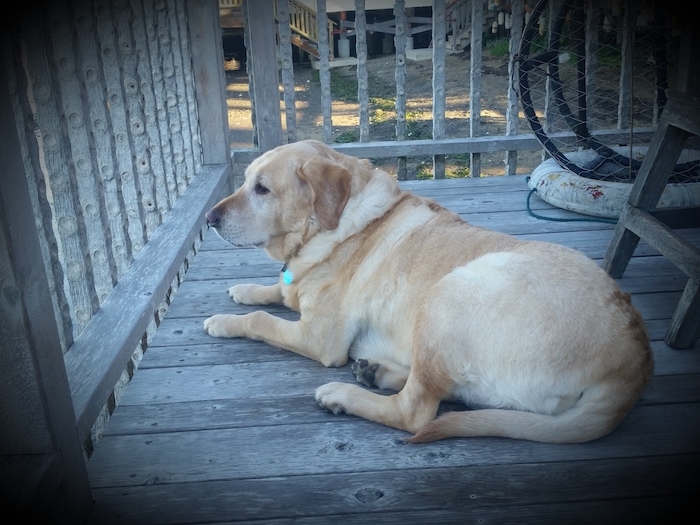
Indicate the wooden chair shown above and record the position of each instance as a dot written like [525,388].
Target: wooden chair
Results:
[680,119]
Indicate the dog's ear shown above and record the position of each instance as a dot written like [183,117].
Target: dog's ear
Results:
[330,184]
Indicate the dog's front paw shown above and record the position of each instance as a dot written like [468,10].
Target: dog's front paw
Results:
[219,325]
[243,293]
[330,397]
[364,372]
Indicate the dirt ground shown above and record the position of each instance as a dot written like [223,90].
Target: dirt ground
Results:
[381,70]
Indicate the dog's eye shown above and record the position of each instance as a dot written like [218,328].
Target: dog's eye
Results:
[260,189]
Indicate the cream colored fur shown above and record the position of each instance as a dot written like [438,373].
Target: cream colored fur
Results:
[534,337]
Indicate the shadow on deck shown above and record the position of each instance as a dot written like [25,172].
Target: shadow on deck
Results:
[228,430]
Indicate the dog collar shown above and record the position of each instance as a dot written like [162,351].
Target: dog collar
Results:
[287,275]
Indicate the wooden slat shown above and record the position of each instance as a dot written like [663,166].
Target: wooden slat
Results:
[672,245]
[126,313]
[452,146]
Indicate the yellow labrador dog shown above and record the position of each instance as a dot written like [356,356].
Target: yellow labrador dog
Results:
[533,336]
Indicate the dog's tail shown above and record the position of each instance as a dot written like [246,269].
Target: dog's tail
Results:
[594,415]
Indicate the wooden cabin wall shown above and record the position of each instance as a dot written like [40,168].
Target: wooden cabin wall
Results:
[105,107]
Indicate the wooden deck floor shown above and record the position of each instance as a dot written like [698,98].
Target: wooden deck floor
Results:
[217,431]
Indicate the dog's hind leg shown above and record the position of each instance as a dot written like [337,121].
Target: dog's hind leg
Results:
[387,375]
[410,409]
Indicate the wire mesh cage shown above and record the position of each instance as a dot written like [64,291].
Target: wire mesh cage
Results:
[595,69]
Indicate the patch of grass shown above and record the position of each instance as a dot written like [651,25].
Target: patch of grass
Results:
[343,87]
[498,47]
[417,129]
[424,171]
[347,137]
[456,167]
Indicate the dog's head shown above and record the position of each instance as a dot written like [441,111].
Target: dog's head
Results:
[291,190]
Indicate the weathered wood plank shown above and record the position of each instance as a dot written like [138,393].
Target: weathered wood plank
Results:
[325,51]
[287,70]
[438,31]
[201,95]
[188,332]
[475,64]
[362,72]
[207,60]
[157,114]
[90,213]
[453,146]
[233,412]
[127,312]
[262,73]
[28,147]
[513,107]
[472,495]
[335,446]
[264,373]
[118,118]
[52,147]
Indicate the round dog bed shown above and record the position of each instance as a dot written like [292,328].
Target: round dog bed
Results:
[567,190]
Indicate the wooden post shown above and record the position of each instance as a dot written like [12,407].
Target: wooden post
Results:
[513,109]
[439,32]
[362,74]
[285,34]
[324,70]
[400,76]
[592,48]
[624,106]
[475,82]
[265,95]
[210,82]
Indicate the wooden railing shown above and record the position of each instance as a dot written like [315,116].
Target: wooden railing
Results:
[123,158]
[485,17]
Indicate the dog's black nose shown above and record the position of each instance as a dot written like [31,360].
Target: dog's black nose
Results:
[212,218]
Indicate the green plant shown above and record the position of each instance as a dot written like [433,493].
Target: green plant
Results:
[498,47]
[343,87]
[348,136]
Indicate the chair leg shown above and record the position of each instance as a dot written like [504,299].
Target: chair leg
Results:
[684,329]
[620,249]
